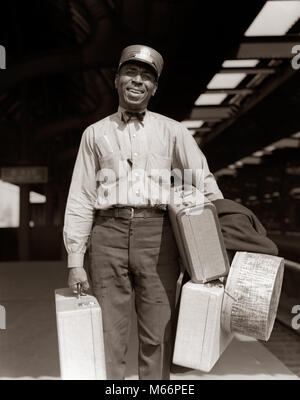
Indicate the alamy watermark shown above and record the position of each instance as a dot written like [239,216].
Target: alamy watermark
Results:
[2,57]
[296,319]
[296,59]
[120,186]
[2,318]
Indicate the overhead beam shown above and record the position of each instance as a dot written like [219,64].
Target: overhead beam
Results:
[225,171]
[267,47]
[77,122]
[259,127]
[208,113]
[100,50]
[249,71]
[203,130]
[251,160]
[282,76]
[244,91]
[287,143]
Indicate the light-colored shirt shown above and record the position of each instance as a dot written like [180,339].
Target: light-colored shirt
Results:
[127,164]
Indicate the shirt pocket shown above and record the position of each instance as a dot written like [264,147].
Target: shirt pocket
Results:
[158,167]
[113,168]
[158,170]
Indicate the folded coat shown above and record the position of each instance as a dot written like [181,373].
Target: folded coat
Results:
[241,229]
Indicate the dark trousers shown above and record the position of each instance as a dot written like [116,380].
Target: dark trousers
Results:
[141,255]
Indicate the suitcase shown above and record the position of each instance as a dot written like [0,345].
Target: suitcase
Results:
[199,238]
[200,339]
[80,336]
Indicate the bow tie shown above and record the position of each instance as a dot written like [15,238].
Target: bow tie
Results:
[128,115]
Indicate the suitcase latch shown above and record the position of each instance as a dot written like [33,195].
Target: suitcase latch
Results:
[86,304]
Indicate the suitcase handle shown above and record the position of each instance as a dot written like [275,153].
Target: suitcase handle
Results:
[81,293]
[79,290]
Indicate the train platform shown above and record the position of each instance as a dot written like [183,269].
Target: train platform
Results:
[29,348]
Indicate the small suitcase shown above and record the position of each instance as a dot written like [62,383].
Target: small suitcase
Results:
[200,340]
[199,239]
[80,336]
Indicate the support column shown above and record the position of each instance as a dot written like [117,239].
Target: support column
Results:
[49,206]
[23,231]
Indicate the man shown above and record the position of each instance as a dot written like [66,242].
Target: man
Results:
[132,246]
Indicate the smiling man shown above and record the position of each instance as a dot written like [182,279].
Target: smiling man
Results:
[132,246]
[136,83]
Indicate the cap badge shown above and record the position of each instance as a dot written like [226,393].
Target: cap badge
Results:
[144,54]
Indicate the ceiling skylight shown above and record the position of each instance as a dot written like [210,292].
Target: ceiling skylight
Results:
[259,153]
[240,63]
[36,198]
[210,99]
[239,164]
[225,171]
[192,124]
[275,18]
[226,81]
[270,148]
[231,166]
[251,160]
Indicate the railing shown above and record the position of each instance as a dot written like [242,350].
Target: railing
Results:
[292,265]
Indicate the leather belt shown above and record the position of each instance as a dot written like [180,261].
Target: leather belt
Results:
[132,212]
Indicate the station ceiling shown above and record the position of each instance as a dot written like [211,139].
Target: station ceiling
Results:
[62,57]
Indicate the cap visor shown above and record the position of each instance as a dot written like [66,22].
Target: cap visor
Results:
[141,60]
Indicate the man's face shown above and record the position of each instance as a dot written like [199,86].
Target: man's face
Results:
[136,83]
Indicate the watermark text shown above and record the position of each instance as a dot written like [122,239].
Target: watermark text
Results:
[2,318]
[162,186]
[296,319]
[296,59]
[2,57]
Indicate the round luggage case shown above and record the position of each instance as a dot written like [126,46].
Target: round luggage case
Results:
[252,294]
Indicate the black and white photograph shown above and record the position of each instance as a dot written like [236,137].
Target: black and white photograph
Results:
[149,193]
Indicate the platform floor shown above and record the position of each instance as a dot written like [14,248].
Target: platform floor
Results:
[285,344]
[29,348]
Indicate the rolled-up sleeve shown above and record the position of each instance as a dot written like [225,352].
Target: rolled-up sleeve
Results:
[79,212]
[188,156]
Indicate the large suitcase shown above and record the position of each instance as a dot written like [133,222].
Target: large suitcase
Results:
[200,339]
[80,336]
[198,236]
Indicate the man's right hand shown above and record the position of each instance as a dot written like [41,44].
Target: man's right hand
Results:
[78,275]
